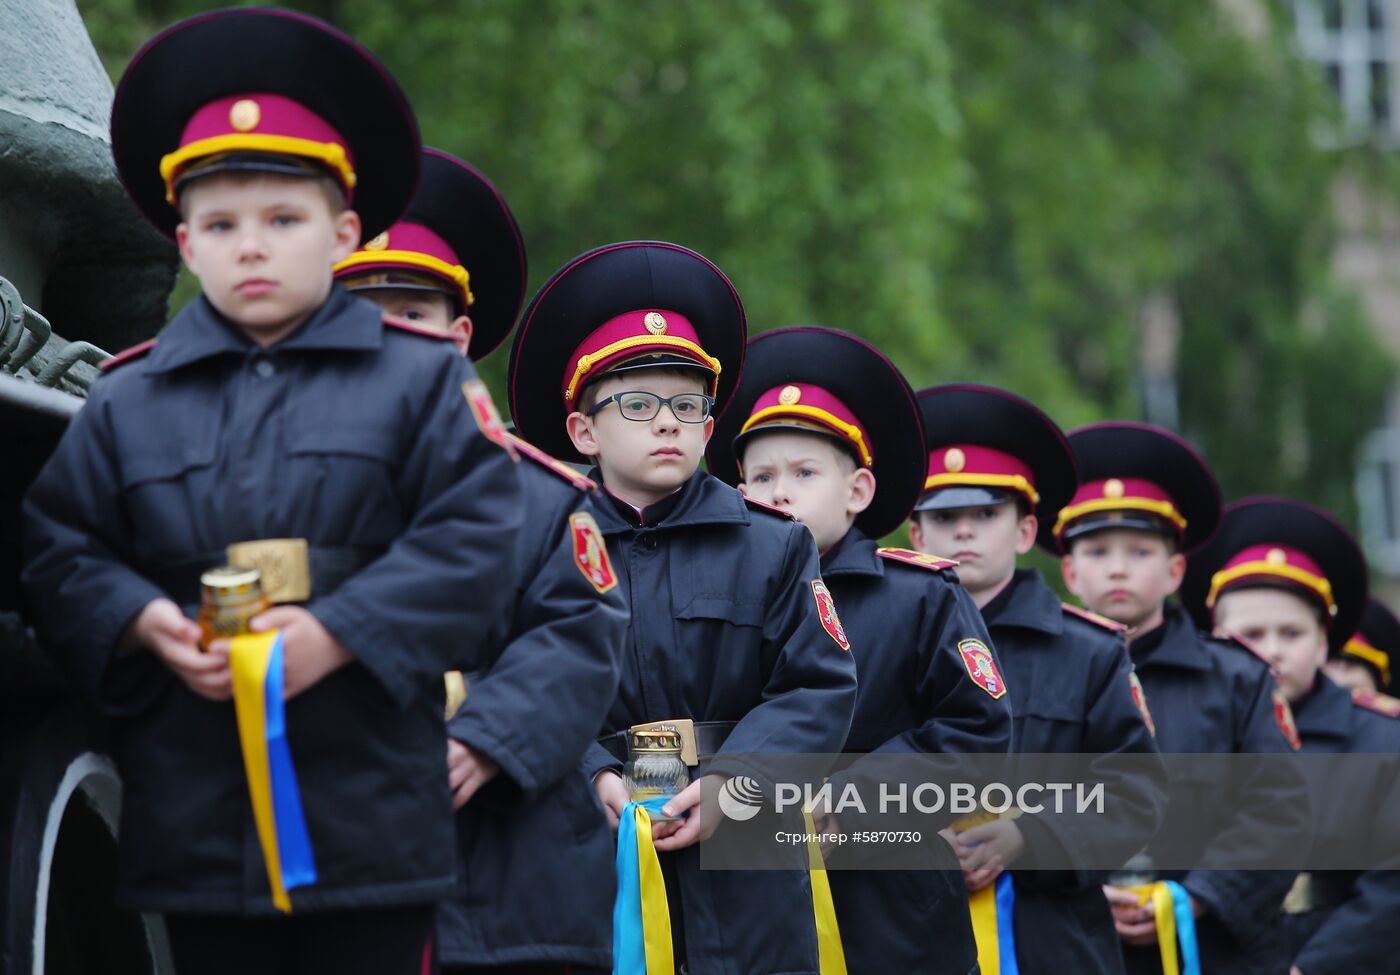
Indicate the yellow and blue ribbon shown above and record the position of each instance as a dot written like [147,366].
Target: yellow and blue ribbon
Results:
[993,910]
[641,915]
[255,661]
[1176,925]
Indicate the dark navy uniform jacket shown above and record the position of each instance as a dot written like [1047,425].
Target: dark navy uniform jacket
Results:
[528,835]
[725,626]
[1355,925]
[1211,696]
[1070,684]
[349,434]
[914,695]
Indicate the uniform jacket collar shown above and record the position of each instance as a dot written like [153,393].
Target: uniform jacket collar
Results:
[702,500]
[854,555]
[199,332]
[1027,603]
[1176,643]
[1325,711]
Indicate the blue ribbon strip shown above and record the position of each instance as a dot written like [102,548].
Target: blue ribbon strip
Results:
[293,840]
[1006,929]
[629,931]
[1185,929]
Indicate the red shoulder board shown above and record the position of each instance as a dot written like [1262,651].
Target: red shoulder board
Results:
[1380,703]
[552,464]
[1140,699]
[131,354]
[488,421]
[760,506]
[407,326]
[1113,626]
[910,557]
[1283,717]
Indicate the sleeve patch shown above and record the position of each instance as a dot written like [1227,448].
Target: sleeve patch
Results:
[981,667]
[826,611]
[590,552]
[921,559]
[1104,622]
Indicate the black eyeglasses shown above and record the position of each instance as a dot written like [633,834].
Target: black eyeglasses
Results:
[644,407]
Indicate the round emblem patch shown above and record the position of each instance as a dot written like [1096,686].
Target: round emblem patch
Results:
[244,115]
[655,322]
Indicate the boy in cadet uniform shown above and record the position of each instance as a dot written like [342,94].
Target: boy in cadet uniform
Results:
[824,427]
[1146,500]
[280,410]
[455,264]
[622,357]
[997,465]
[1363,664]
[1289,579]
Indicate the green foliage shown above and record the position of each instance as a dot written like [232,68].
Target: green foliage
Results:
[988,192]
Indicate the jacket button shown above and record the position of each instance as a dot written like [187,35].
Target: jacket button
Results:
[265,368]
[647,542]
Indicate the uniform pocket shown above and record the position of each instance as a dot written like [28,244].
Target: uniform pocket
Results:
[349,474]
[174,464]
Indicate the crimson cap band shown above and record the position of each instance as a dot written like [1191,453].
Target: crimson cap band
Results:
[267,90]
[1142,477]
[970,465]
[623,306]
[805,406]
[1272,564]
[1284,544]
[838,386]
[1375,642]
[458,237]
[986,445]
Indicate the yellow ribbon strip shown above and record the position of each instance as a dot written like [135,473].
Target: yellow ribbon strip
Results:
[983,906]
[656,912]
[830,953]
[248,659]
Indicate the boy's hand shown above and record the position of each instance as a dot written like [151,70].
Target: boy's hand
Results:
[174,638]
[309,652]
[467,771]
[985,851]
[699,825]
[612,793]
[1135,922]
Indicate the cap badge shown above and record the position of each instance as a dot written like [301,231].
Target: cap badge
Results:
[1276,556]
[378,243]
[244,115]
[789,395]
[655,323]
[1113,488]
[954,460]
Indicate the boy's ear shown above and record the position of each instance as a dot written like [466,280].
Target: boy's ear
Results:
[1071,577]
[916,533]
[1026,530]
[461,332]
[862,491]
[709,429]
[580,430]
[182,240]
[347,235]
[1176,571]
